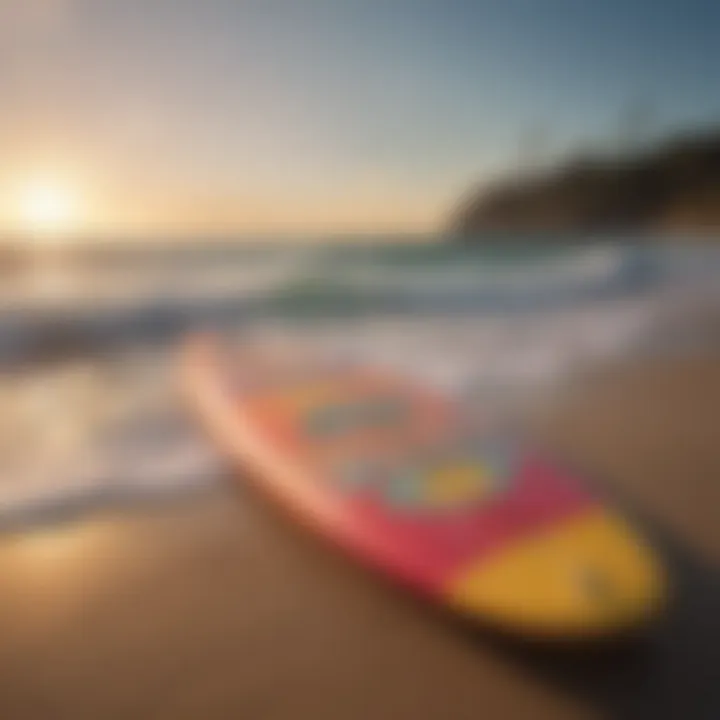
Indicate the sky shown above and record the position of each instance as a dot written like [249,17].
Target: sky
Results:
[306,116]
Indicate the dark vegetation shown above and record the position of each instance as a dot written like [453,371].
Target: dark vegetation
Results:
[672,187]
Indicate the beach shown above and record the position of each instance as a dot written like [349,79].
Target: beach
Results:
[457,269]
[213,605]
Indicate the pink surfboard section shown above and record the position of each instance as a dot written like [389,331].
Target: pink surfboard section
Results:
[432,549]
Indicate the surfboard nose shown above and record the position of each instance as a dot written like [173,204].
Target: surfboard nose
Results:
[590,575]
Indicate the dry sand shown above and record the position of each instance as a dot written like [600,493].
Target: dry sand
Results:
[213,606]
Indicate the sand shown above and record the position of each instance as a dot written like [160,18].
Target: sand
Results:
[213,606]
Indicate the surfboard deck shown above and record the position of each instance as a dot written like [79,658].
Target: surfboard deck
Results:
[408,481]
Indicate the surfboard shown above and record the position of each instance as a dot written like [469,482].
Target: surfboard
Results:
[408,480]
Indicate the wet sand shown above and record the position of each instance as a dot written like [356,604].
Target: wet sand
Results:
[214,606]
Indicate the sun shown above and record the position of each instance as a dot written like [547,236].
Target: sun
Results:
[49,207]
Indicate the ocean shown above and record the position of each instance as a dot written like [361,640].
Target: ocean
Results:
[88,334]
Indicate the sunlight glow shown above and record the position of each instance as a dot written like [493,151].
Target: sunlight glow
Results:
[49,208]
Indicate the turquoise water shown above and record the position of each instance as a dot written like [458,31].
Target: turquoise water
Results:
[116,294]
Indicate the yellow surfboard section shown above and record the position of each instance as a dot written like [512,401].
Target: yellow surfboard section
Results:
[588,575]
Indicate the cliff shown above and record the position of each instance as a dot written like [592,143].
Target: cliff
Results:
[674,186]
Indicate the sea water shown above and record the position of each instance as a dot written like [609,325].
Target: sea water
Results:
[88,334]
